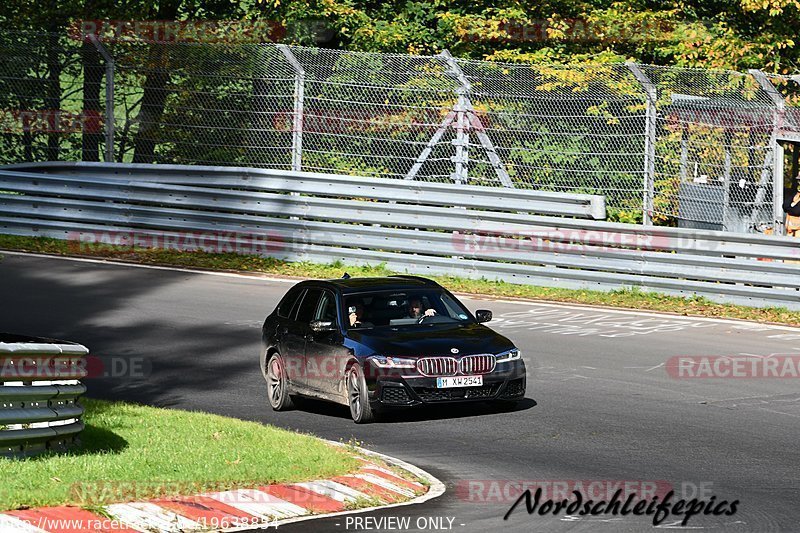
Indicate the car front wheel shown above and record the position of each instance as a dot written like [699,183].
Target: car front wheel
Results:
[357,397]
[277,384]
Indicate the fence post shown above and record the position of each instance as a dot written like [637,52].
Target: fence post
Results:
[109,122]
[467,120]
[777,154]
[462,137]
[649,142]
[297,122]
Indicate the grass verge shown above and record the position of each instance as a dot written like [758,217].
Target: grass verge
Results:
[130,452]
[624,298]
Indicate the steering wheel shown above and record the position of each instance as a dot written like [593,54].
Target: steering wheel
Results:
[422,318]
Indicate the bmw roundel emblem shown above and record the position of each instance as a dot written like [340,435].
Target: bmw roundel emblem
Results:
[453,350]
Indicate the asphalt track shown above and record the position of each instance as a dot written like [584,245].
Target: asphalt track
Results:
[600,405]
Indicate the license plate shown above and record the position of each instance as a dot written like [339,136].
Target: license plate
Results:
[459,381]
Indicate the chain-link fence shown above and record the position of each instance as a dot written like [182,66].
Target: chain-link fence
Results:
[664,145]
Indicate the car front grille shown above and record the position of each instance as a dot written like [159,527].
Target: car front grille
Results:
[466,393]
[469,365]
[437,366]
[477,364]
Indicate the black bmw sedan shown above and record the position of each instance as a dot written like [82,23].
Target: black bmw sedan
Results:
[379,343]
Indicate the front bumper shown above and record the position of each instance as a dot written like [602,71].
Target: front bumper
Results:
[506,382]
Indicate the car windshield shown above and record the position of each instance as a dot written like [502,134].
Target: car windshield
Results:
[410,308]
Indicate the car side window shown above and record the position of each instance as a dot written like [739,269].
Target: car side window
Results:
[288,302]
[326,310]
[309,305]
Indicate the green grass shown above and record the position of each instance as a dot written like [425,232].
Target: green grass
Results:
[132,452]
[624,298]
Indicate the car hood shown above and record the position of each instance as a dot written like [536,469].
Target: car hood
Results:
[433,340]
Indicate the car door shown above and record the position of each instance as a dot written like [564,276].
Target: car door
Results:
[286,342]
[293,342]
[298,334]
[324,348]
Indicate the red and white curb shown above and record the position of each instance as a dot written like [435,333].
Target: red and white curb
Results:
[239,509]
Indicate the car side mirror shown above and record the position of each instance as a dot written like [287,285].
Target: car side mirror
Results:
[483,315]
[318,326]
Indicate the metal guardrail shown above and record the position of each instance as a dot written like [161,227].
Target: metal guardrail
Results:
[254,179]
[477,236]
[39,391]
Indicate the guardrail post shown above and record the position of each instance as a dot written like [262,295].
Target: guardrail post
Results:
[776,151]
[649,141]
[109,122]
[299,93]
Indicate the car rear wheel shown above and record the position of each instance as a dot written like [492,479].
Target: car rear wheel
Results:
[357,397]
[277,384]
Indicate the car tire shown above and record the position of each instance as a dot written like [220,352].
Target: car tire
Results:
[357,396]
[277,384]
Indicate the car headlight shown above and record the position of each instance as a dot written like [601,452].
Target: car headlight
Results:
[393,362]
[510,355]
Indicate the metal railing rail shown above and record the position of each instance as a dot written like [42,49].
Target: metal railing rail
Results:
[367,224]
[440,194]
[39,391]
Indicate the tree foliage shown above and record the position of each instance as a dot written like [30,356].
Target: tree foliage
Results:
[739,34]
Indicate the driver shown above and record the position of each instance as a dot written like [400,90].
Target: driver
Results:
[417,310]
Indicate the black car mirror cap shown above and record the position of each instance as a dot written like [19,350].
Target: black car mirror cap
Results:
[318,326]
[483,315]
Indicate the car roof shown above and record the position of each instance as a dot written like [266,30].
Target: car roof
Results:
[353,285]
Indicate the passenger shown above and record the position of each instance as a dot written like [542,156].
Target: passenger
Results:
[357,316]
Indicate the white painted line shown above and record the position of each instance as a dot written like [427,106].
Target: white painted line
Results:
[14,524]
[260,504]
[385,483]
[148,516]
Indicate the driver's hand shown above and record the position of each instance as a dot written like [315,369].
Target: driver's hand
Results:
[353,319]
[430,312]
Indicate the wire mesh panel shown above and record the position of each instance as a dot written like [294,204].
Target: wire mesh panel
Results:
[789,89]
[683,146]
[201,104]
[51,90]
[577,128]
[714,151]
[372,114]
